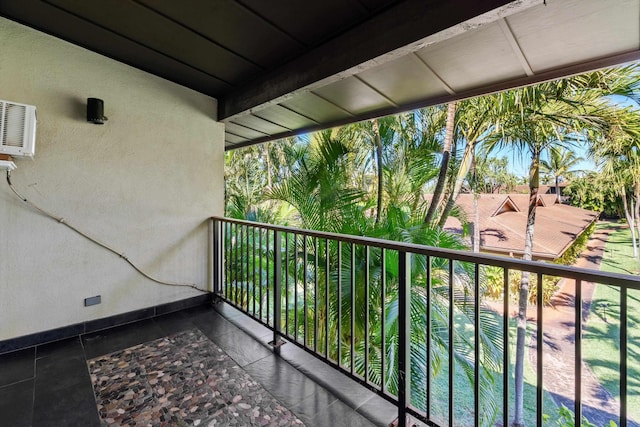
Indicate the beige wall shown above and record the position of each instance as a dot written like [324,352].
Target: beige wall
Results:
[144,182]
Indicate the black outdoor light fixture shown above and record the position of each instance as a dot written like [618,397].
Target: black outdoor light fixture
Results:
[95,111]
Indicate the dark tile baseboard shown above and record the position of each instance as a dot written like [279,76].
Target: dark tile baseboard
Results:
[89,326]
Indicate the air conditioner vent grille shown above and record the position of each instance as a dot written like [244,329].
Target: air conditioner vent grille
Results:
[13,133]
[17,129]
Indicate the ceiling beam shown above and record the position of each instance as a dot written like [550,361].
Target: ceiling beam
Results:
[515,46]
[401,29]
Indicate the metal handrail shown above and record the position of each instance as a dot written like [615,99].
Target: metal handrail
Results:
[578,273]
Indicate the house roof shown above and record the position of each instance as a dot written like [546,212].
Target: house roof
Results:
[284,67]
[503,221]
[524,189]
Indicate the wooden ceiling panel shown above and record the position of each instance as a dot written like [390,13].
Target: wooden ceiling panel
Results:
[571,31]
[354,96]
[478,57]
[309,105]
[72,28]
[374,5]
[241,31]
[137,22]
[404,80]
[242,131]
[231,139]
[309,21]
[284,117]
[261,125]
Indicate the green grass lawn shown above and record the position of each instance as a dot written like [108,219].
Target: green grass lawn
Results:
[601,345]
[464,399]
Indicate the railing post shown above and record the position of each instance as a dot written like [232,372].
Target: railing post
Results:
[211,256]
[404,339]
[277,290]
[216,257]
[215,260]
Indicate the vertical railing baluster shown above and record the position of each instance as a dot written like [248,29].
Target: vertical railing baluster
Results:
[222,262]
[235,265]
[476,350]
[253,265]
[214,240]
[305,318]
[277,290]
[578,353]
[352,276]
[295,287]
[227,253]
[326,298]
[404,336]
[383,315]
[539,350]
[240,265]
[212,265]
[268,264]
[624,350]
[247,281]
[428,340]
[366,314]
[315,294]
[505,351]
[339,303]
[451,340]
[286,284]
[260,269]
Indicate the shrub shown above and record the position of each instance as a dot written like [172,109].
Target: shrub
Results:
[494,289]
[573,252]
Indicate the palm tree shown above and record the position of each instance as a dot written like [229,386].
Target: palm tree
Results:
[552,114]
[561,164]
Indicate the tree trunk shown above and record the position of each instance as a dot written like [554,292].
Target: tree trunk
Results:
[476,210]
[523,298]
[444,166]
[637,212]
[476,223]
[628,214]
[376,129]
[558,189]
[268,160]
[463,171]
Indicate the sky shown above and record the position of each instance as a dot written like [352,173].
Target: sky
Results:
[519,163]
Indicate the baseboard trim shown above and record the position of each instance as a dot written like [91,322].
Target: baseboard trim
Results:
[89,326]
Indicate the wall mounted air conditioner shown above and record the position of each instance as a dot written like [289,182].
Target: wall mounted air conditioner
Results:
[17,129]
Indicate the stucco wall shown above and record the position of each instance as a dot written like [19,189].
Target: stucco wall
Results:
[144,182]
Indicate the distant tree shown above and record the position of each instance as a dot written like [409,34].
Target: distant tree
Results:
[594,192]
[492,175]
[561,164]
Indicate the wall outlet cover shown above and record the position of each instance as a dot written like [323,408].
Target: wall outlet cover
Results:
[92,300]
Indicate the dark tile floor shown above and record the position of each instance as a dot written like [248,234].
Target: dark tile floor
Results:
[49,385]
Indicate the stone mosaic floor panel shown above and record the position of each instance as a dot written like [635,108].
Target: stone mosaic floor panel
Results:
[181,380]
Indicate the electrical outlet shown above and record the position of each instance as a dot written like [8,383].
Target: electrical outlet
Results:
[92,300]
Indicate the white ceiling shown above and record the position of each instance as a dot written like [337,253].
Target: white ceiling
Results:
[538,43]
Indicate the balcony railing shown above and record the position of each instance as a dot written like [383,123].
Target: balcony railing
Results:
[413,323]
